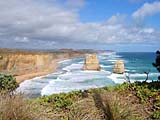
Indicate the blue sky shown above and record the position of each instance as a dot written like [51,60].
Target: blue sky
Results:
[120,25]
[100,10]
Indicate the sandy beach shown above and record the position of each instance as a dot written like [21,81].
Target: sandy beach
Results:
[54,66]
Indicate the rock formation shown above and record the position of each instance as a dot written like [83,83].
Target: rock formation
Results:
[91,62]
[23,62]
[119,67]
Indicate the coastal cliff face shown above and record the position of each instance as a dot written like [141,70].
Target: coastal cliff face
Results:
[27,62]
[18,64]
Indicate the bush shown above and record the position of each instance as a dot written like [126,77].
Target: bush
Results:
[7,83]
[144,90]
[143,93]
[60,101]
[156,115]
[157,62]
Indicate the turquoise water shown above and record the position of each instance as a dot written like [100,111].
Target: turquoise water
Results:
[70,75]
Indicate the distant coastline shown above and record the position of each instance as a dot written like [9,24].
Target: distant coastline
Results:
[27,64]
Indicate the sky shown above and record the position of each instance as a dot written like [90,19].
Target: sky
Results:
[119,25]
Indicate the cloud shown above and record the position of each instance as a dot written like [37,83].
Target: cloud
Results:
[148,9]
[116,19]
[33,24]
[75,3]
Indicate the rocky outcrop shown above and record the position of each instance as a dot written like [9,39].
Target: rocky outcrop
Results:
[91,62]
[119,67]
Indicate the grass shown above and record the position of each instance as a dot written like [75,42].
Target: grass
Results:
[136,101]
[14,107]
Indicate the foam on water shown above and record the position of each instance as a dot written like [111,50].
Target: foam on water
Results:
[76,79]
[73,67]
[71,77]
[117,78]
[65,61]
[69,85]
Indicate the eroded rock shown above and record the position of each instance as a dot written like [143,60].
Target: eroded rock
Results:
[91,63]
[119,67]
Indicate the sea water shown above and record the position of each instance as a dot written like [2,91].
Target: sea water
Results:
[70,76]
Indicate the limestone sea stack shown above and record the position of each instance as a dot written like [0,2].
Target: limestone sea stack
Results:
[118,67]
[91,62]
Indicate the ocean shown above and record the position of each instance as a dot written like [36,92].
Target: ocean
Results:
[70,76]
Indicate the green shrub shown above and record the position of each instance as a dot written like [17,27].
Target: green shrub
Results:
[157,103]
[156,115]
[117,87]
[7,83]
[60,101]
[157,62]
[143,92]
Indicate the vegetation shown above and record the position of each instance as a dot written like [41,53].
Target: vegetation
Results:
[157,62]
[129,101]
[134,101]
[7,83]
[15,107]
[60,101]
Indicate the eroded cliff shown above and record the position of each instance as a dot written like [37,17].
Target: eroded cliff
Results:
[28,62]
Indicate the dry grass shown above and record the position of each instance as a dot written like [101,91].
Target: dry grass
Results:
[14,107]
[98,105]
[102,105]
[85,110]
[115,107]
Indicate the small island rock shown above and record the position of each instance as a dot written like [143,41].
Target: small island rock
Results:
[91,63]
[119,67]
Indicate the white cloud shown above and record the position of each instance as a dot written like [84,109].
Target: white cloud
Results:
[38,24]
[22,40]
[115,19]
[75,3]
[148,9]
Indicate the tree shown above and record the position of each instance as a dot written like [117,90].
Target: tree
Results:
[8,83]
[147,74]
[157,62]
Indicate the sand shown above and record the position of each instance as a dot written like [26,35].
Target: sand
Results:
[28,76]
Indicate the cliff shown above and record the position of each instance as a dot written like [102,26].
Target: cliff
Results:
[33,63]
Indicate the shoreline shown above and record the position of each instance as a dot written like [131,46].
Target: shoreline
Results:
[27,64]
[24,77]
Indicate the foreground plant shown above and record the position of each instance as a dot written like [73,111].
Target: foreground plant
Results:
[7,83]
[14,107]
[156,64]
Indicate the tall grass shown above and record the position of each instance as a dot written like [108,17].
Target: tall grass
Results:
[14,107]
[101,105]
